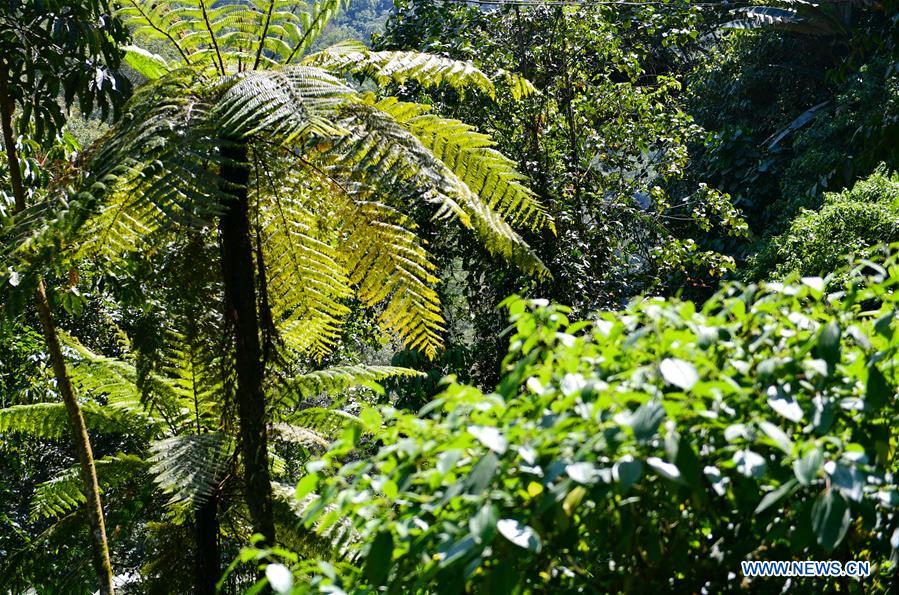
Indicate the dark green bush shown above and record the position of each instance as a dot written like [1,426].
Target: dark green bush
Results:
[818,242]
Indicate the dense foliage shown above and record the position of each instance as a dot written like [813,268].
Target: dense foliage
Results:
[255,267]
[655,447]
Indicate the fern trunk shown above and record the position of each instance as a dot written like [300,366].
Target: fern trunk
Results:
[99,544]
[206,563]
[240,309]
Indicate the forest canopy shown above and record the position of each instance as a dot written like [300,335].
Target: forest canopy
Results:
[446,296]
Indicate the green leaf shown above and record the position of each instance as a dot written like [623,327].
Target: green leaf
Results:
[784,404]
[778,436]
[279,577]
[828,347]
[665,469]
[490,437]
[830,519]
[147,64]
[806,468]
[679,373]
[775,496]
[584,473]
[378,561]
[521,535]
[646,420]
[877,390]
[749,463]
[371,419]
[627,471]
[482,473]
[306,486]
[483,524]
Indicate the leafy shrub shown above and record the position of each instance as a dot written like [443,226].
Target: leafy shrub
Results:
[657,447]
[818,242]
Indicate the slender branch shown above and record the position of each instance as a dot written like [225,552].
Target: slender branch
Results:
[264,34]
[160,30]
[212,38]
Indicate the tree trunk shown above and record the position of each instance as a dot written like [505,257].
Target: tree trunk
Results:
[206,564]
[100,547]
[102,565]
[240,309]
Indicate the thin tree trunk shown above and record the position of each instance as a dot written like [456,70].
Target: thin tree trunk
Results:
[206,564]
[240,308]
[99,544]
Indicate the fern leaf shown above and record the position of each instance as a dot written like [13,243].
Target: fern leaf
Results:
[353,57]
[50,420]
[64,493]
[340,378]
[327,423]
[189,467]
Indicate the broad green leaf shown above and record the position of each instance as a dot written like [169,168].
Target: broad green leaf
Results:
[830,519]
[490,437]
[663,468]
[678,372]
[784,404]
[775,496]
[584,473]
[306,486]
[806,468]
[521,535]
[378,561]
[646,420]
[778,436]
[483,524]
[279,577]
[749,463]
[627,472]
[828,347]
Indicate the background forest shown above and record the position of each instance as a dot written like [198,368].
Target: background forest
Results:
[421,296]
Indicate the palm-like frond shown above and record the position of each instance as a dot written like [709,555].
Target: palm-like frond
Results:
[381,152]
[50,420]
[189,467]
[338,379]
[306,282]
[472,157]
[327,423]
[284,104]
[428,70]
[231,36]
[64,493]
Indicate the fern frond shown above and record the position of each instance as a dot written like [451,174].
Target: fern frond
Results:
[231,36]
[162,153]
[285,104]
[310,439]
[334,545]
[387,263]
[306,282]
[428,70]
[337,379]
[327,423]
[471,156]
[189,467]
[63,493]
[50,420]
[380,151]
